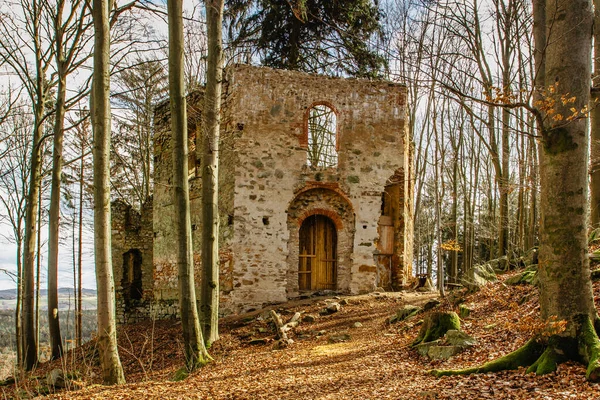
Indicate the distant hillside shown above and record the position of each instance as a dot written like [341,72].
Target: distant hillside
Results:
[11,294]
[66,299]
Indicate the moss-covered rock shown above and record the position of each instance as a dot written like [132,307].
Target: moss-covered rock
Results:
[498,264]
[464,311]
[436,325]
[431,304]
[442,349]
[459,338]
[482,275]
[406,312]
[527,277]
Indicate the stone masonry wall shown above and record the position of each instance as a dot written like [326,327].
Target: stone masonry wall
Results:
[267,189]
[271,108]
[132,230]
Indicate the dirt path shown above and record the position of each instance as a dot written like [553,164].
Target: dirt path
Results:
[351,354]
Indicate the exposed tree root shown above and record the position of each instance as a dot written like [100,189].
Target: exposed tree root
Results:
[543,356]
[589,348]
[524,356]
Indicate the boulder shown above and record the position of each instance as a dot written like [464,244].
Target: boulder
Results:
[342,337]
[407,311]
[333,307]
[458,338]
[498,264]
[436,325]
[453,343]
[438,352]
[309,318]
[56,378]
[482,274]
[464,311]
[528,277]
[431,304]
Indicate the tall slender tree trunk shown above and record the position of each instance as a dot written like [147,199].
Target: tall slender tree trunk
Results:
[29,341]
[195,351]
[29,335]
[80,243]
[18,319]
[211,123]
[38,271]
[112,372]
[54,220]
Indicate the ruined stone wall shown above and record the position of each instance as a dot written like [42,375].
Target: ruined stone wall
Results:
[132,231]
[267,190]
[165,268]
[270,107]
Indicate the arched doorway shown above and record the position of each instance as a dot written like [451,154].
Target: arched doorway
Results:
[317,267]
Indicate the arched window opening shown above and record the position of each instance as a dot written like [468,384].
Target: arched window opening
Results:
[322,137]
[132,275]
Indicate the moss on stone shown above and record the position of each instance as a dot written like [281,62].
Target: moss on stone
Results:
[406,312]
[527,277]
[436,325]
[464,311]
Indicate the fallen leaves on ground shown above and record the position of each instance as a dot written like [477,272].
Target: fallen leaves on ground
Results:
[376,362]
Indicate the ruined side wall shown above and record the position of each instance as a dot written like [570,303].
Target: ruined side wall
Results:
[165,269]
[132,230]
[269,108]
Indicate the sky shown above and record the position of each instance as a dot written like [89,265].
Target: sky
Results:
[8,251]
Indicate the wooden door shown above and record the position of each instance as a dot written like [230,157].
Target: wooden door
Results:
[317,269]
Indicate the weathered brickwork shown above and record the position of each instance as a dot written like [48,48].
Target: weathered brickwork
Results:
[267,189]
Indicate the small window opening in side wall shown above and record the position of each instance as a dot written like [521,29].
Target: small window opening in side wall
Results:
[322,137]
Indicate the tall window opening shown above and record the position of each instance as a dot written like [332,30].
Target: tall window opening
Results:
[322,137]
[132,275]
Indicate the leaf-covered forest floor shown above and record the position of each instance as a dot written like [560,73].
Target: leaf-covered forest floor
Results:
[375,361]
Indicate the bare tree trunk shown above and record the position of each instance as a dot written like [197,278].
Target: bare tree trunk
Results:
[38,271]
[54,219]
[210,173]
[73,244]
[112,372]
[29,341]
[18,316]
[80,242]
[565,285]
[595,124]
[195,351]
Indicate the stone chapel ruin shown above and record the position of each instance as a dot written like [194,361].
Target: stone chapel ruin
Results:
[315,195]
